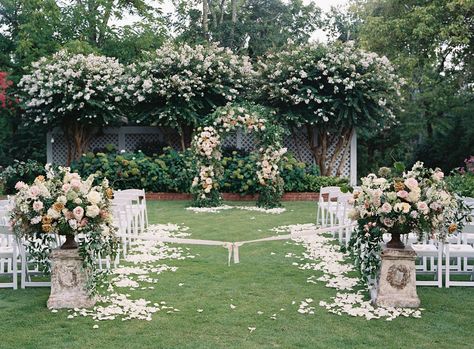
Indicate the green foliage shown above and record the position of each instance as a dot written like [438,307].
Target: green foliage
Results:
[432,45]
[461,183]
[25,171]
[239,173]
[337,88]
[174,171]
[252,26]
[169,172]
[314,183]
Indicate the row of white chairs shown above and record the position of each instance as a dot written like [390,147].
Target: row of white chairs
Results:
[130,218]
[433,258]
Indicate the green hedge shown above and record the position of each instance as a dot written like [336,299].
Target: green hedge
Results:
[173,171]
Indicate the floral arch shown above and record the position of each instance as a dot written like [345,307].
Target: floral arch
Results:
[206,145]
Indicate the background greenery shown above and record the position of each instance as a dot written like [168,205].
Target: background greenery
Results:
[431,43]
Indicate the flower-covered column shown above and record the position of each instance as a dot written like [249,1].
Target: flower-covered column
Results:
[205,187]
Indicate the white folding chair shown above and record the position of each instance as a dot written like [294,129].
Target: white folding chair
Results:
[341,217]
[432,252]
[8,257]
[323,204]
[461,253]
[137,202]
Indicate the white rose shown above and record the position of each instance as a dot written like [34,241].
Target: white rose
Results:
[94,197]
[62,199]
[73,224]
[53,213]
[92,211]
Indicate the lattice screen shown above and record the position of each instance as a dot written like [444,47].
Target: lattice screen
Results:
[128,138]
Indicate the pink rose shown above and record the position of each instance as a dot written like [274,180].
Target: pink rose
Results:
[422,207]
[37,206]
[76,183]
[411,183]
[402,194]
[34,191]
[78,213]
[66,187]
[83,222]
[438,176]
[386,207]
[20,185]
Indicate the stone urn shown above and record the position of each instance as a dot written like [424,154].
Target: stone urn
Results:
[68,279]
[396,283]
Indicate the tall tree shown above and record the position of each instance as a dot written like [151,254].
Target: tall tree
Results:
[432,43]
[251,26]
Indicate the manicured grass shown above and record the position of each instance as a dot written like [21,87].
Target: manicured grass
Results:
[263,281]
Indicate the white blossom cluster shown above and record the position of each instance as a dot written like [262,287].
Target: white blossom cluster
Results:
[85,87]
[185,76]
[317,77]
[268,170]
[228,119]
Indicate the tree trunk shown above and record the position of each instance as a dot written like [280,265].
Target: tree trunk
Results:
[205,13]
[234,21]
[78,137]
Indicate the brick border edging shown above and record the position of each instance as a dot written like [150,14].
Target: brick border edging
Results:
[305,196]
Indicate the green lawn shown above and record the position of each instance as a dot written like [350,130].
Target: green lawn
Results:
[263,281]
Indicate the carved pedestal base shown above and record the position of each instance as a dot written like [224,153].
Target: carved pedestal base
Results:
[68,281]
[396,284]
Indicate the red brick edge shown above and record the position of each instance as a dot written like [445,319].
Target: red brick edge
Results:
[306,196]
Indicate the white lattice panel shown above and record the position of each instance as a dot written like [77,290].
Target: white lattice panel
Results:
[100,142]
[133,140]
[128,137]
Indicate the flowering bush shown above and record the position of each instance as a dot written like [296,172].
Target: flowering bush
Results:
[76,92]
[417,201]
[7,101]
[206,146]
[64,204]
[336,88]
[178,86]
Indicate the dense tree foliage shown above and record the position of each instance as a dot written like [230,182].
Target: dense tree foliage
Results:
[432,43]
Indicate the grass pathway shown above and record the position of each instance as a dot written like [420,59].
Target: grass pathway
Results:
[265,281]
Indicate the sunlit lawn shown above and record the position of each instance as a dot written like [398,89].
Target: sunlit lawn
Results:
[263,281]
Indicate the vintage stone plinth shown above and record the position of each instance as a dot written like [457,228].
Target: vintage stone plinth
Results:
[396,284]
[68,281]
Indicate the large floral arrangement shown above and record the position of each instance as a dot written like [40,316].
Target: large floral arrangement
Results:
[206,145]
[335,87]
[416,201]
[178,86]
[76,92]
[63,204]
